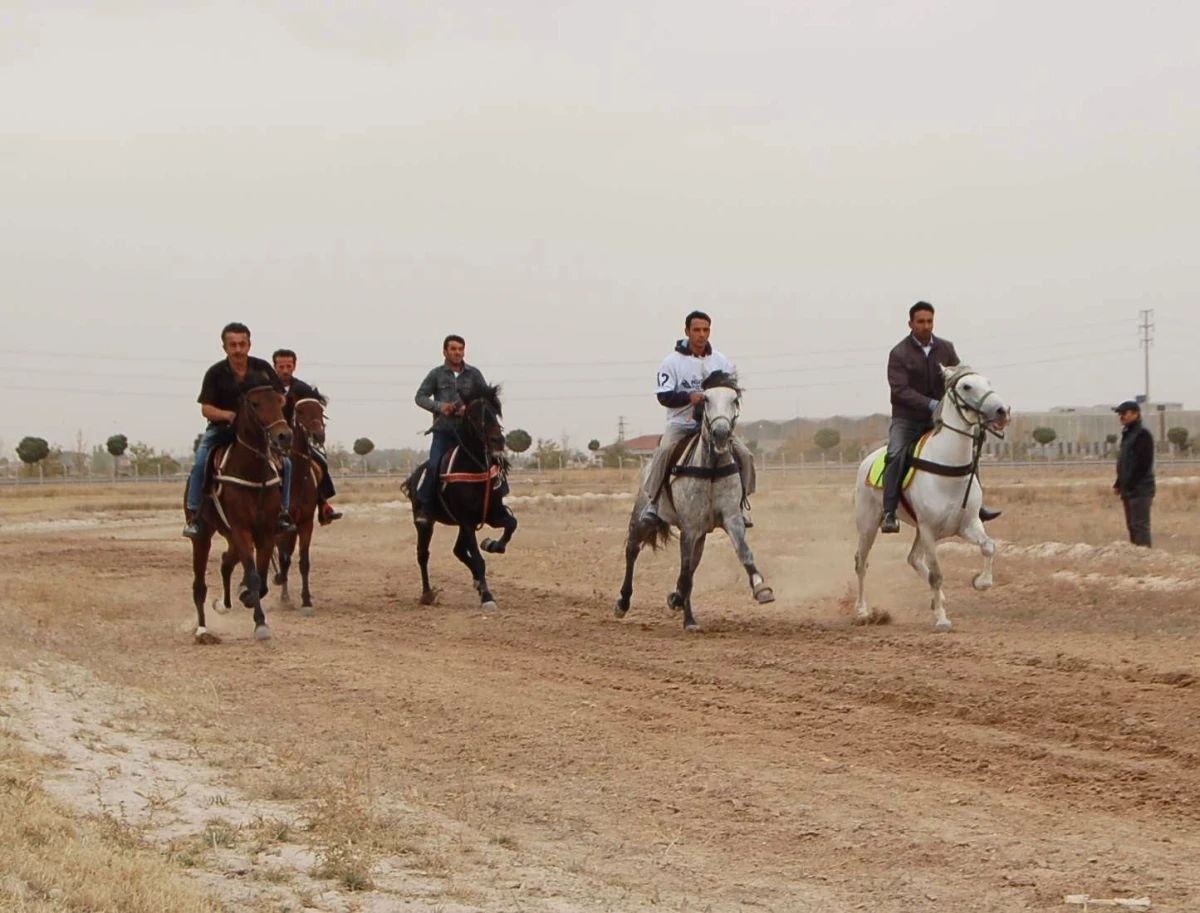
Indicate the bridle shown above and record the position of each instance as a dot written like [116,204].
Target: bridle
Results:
[323,417]
[478,428]
[264,427]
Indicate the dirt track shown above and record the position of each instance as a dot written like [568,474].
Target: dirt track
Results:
[553,758]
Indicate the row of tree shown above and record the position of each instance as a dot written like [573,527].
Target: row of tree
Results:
[547,453]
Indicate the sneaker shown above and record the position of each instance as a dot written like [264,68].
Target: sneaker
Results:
[285,525]
[421,517]
[192,530]
[328,515]
[749,524]
[890,524]
[985,514]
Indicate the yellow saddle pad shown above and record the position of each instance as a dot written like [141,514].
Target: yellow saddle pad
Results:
[875,475]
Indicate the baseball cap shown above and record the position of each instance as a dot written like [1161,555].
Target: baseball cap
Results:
[1128,406]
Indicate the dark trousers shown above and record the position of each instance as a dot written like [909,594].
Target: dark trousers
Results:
[1137,519]
[325,490]
[902,432]
[443,442]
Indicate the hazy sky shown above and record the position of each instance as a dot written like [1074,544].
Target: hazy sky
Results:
[562,182]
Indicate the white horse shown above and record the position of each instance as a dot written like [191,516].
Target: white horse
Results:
[704,494]
[944,497]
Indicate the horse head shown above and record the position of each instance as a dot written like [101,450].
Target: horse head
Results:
[260,415]
[722,402]
[482,418]
[972,396]
[309,416]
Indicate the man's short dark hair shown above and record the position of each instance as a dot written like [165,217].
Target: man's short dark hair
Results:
[453,338]
[695,315]
[919,306]
[235,327]
[283,353]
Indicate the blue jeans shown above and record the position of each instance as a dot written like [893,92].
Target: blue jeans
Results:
[218,436]
[443,442]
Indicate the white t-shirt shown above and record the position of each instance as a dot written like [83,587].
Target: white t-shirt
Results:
[681,373]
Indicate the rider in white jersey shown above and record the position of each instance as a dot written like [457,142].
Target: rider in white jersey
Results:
[679,389]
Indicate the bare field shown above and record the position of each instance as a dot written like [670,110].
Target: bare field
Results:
[548,757]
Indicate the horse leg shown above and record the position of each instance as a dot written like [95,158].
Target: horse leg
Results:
[201,546]
[938,597]
[916,558]
[866,540]
[257,580]
[305,533]
[286,545]
[424,537]
[249,595]
[467,551]
[229,559]
[633,547]
[975,534]
[508,522]
[735,528]
[691,550]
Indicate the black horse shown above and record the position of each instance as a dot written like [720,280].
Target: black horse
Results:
[470,494]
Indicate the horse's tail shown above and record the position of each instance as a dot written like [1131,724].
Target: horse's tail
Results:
[655,535]
[409,485]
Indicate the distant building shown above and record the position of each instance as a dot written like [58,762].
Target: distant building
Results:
[642,446]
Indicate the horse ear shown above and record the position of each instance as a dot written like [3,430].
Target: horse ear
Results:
[948,371]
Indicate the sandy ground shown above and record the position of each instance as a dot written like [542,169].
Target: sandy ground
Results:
[387,756]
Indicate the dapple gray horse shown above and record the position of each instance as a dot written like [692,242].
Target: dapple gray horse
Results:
[704,493]
[944,497]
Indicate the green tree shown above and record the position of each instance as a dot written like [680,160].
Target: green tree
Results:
[1179,437]
[32,450]
[1044,435]
[549,454]
[827,439]
[117,445]
[615,455]
[593,445]
[362,447]
[518,440]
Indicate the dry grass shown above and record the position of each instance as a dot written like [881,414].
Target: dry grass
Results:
[53,860]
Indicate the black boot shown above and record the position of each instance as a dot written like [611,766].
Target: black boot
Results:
[194,528]
[890,524]
[985,514]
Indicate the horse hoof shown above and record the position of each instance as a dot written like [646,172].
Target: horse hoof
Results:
[693,628]
[246,599]
[490,606]
[674,601]
[764,595]
[620,607]
[942,626]
[262,632]
[307,611]
[278,580]
[429,597]
[218,606]
[205,637]
[980,583]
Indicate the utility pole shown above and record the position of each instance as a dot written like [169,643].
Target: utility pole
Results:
[621,429]
[1145,337]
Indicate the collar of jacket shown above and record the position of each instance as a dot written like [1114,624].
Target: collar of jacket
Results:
[683,348]
[1131,427]
[932,341]
[446,365]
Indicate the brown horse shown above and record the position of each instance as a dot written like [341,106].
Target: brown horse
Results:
[244,507]
[308,423]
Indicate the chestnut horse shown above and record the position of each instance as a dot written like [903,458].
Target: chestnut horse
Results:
[308,426]
[244,505]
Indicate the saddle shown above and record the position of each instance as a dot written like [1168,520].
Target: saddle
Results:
[910,456]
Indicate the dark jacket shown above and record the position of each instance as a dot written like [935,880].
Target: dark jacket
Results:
[916,378]
[1135,462]
[441,386]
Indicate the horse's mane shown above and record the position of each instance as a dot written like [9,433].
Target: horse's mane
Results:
[319,397]
[254,379]
[721,379]
[490,393]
